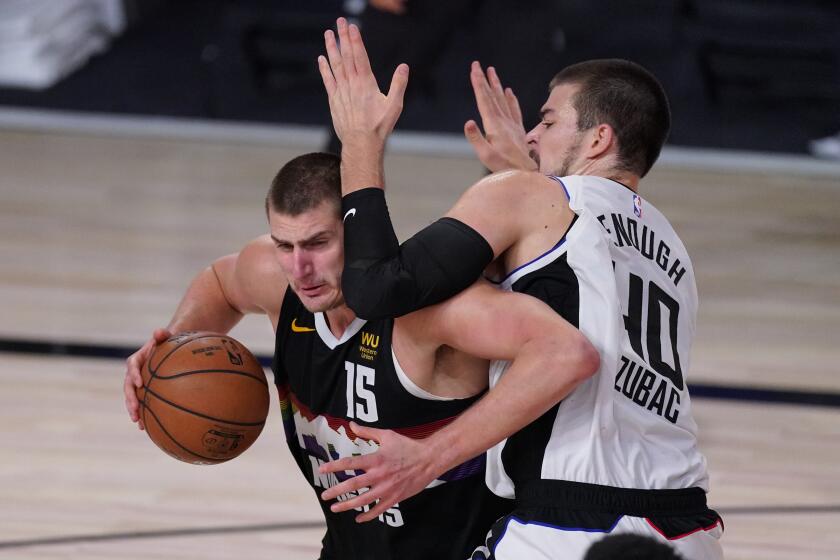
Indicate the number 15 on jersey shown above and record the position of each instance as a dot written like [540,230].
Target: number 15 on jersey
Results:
[361,400]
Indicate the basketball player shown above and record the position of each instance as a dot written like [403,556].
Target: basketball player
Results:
[334,370]
[620,453]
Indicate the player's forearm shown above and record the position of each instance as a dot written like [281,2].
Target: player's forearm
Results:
[384,279]
[362,162]
[204,306]
[544,374]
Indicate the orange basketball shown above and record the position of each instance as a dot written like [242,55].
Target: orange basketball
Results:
[204,398]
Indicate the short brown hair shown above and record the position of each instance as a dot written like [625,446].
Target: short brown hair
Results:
[304,183]
[627,97]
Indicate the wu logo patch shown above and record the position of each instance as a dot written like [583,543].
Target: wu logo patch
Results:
[637,205]
[370,340]
[367,349]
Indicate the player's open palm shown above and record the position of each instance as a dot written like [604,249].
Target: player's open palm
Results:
[359,110]
[399,469]
[503,144]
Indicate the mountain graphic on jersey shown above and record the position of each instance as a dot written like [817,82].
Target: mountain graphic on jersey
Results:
[325,438]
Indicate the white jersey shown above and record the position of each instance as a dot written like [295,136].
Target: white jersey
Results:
[624,278]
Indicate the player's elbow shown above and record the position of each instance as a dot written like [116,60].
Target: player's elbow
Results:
[575,361]
[370,293]
[355,296]
[586,358]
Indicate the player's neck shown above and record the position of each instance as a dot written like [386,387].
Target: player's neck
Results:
[607,169]
[629,180]
[339,318]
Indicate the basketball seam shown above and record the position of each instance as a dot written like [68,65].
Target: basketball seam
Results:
[195,371]
[146,390]
[178,443]
[154,371]
[179,407]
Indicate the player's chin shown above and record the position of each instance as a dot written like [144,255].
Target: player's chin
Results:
[320,302]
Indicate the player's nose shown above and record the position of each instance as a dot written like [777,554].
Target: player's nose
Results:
[301,264]
[533,136]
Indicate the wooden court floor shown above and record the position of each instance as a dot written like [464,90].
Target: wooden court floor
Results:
[100,235]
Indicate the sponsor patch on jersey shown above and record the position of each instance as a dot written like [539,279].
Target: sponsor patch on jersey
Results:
[637,205]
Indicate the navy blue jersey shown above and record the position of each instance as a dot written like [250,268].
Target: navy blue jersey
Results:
[324,383]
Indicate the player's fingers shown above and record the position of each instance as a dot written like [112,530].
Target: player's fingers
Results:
[513,106]
[345,48]
[480,145]
[472,132]
[483,95]
[135,363]
[161,335]
[139,360]
[326,76]
[381,507]
[137,379]
[334,58]
[360,501]
[497,90]
[396,93]
[356,463]
[352,484]
[488,108]
[368,433]
[132,405]
[360,55]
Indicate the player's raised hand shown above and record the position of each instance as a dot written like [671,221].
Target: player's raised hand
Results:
[399,469]
[133,381]
[359,110]
[503,144]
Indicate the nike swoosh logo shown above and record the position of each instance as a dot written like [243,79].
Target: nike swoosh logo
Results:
[351,212]
[296,328]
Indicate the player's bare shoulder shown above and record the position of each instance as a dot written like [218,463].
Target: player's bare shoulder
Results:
[512,186]
[540,208]
[511,206]
[257,278]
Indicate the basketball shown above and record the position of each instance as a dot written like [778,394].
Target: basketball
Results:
[204,398]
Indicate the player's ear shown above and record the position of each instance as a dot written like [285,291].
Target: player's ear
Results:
[599,139]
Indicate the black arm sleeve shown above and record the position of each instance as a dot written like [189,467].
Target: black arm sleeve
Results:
[384,279]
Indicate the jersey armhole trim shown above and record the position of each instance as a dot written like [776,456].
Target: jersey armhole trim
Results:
[520,271]
[411,387]
[562,184]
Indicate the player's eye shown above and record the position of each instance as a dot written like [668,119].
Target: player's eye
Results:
[546,124]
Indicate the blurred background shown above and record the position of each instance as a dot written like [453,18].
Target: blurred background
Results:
[741,74]
[138,139]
